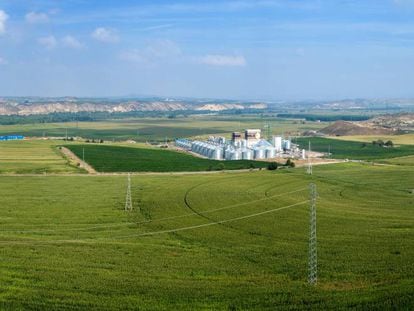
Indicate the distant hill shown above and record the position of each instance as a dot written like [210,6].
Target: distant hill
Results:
[74,106]
[345,128]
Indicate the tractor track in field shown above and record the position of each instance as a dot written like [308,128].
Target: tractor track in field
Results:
[188,205]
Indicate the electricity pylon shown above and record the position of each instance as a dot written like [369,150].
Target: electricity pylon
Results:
[309,170]
[313,252]
[128,201]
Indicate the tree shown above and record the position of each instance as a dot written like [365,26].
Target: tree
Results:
[389,143]
[288,162]
[292,164]
[272,166]
[221,166]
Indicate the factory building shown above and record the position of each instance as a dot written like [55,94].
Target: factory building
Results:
[249,146]
[11,137]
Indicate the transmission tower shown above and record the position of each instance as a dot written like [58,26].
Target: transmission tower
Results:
[309,170]
[313,254]
[128,201]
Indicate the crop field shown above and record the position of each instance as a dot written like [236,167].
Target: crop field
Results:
[217,241]
[354,150]
[32,157]
[409,160]
[404,139]
[105,158]
[157,129]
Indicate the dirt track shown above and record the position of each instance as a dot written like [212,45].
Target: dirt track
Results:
[74,158]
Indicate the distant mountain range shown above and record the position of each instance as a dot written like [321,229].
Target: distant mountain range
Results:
[24,106]
[73,105]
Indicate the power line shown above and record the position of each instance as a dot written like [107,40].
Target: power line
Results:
[113,225]
[211,223]
[170,230]
[313,253]
[128,201]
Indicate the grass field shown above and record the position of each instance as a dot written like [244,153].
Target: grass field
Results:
[405,139]
[354,150]
[67,243]
[409,160]
[105,158]
[158,129]
[32,157]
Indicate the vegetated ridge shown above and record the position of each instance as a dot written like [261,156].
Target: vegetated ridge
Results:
[47,106]
[381,125]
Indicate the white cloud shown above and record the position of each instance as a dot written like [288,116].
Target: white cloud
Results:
[49,42]
[36,18]
[159,50]
[71,42]
[3,18]
[223,60]
[105,35]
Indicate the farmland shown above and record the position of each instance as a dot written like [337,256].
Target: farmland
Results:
[128,159]
[404,139]
[157,129]
[32,157]
[68,244]
[354,150]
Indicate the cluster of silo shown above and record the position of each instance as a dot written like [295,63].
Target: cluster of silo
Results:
[183,143]
[231,153]
[218,140]
[264,150]
[239,149]
[209,150]
[242,143]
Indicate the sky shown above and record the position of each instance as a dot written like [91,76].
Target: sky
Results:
[242,49]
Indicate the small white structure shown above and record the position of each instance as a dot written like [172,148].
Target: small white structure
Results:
[277,143]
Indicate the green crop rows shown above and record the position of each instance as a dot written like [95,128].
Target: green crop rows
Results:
[341,149]
[129,159]
[66,242]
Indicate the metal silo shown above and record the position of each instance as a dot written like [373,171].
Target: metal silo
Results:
[259,153]
[247,154]
[270,153]
[277,143]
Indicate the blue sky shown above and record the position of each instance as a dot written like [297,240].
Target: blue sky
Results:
[264,49]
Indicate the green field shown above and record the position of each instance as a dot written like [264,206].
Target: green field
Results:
[32,157]
[67,243]
[409,160]
[158,129]
[354,150]
[403,139]
[105,158]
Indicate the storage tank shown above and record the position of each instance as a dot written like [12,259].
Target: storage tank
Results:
[287,144]
[277,143]
[247,154]
[259,153]
[218,153]
[270,153]
[228,153]
[237,155]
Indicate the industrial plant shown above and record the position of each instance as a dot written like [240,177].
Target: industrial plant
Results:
[243,146]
